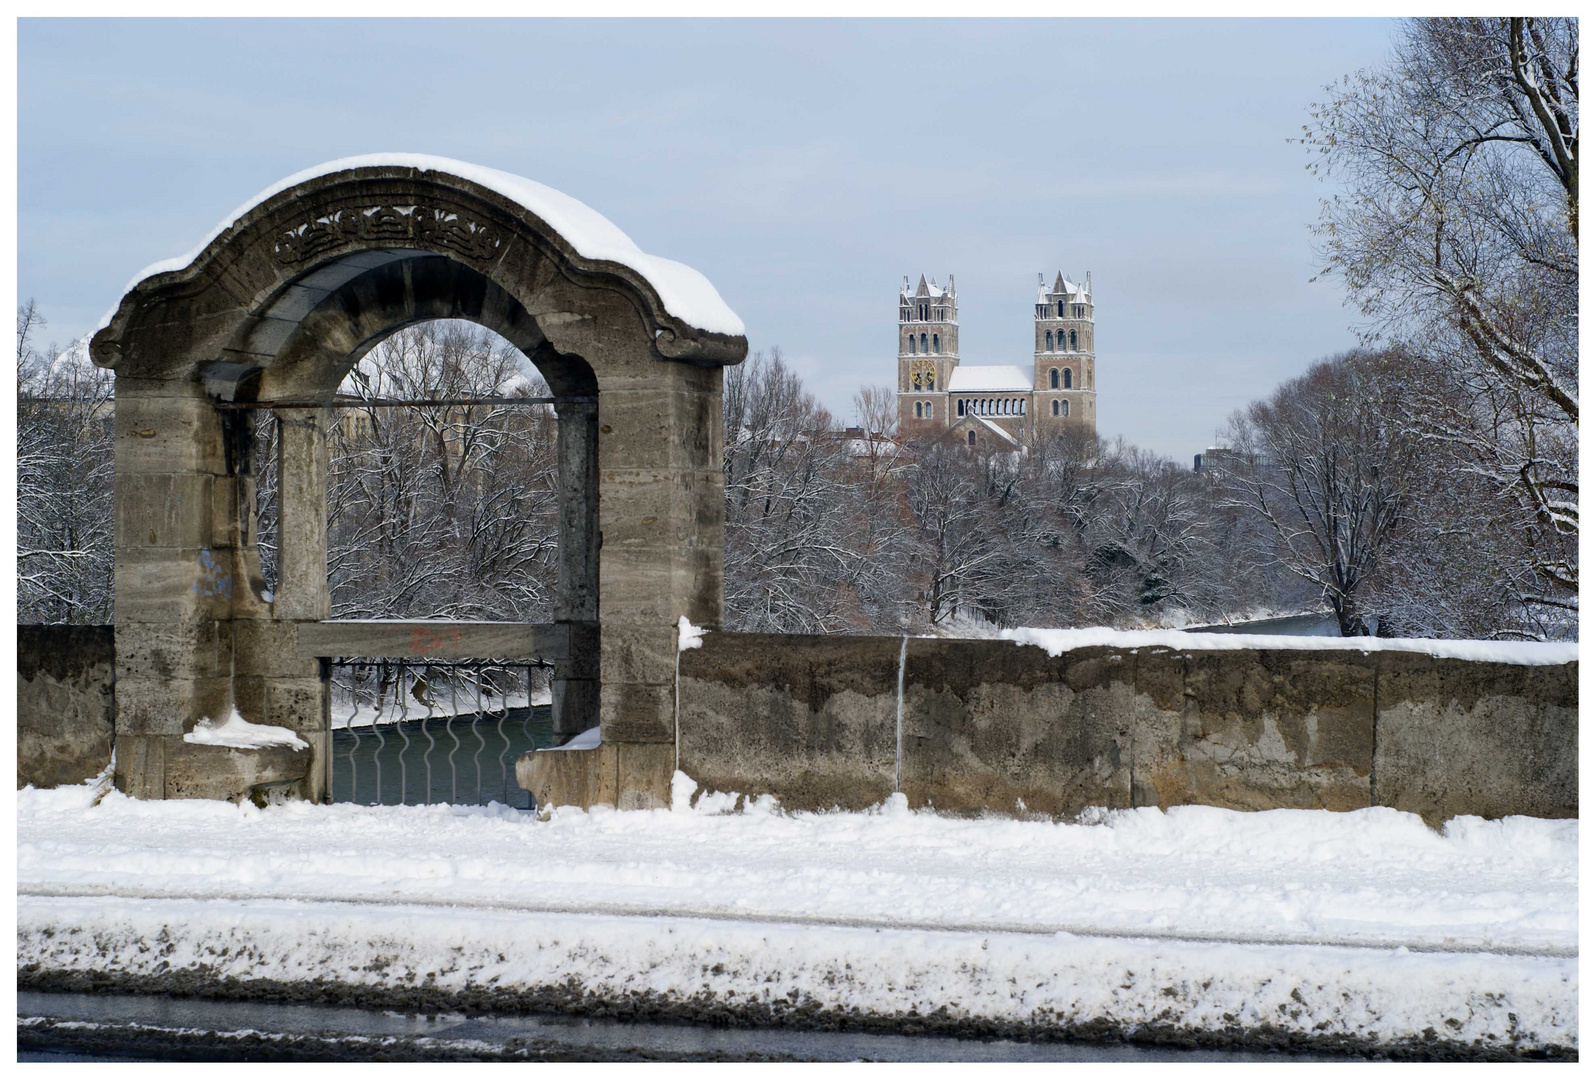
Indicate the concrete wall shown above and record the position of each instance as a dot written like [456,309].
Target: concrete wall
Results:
[68,717]
[995,726]
[66,679]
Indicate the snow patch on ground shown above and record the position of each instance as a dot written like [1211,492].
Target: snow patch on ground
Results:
[685,292]
[236,732]
[1057,642]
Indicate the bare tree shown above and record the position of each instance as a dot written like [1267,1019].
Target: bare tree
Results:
[65,477]
[443,511]
[1148,538]
[1320,463]
[1458,232]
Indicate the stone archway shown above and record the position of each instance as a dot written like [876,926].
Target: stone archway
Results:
[275,308]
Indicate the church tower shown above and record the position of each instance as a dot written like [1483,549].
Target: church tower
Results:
[928,352]
[1066,357]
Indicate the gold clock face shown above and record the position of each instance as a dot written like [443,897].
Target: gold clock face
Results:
[923,374]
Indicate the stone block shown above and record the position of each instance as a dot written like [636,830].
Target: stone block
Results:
[165,510]
[295,703]
[158,585]
[146,706]
[175,651]
[1466,737]
[197,771]
[638,654]
[271,647]
[635,586]
[643,775]
[166,434]
[584,778]
[637,712]
[141,765]
[635,432]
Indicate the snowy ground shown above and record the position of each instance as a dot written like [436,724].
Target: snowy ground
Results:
[1364,925]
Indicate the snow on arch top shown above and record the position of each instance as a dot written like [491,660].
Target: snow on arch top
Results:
[686,294]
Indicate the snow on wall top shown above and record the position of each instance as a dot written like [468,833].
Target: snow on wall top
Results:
[685,292]
[997,377]
[1528,653]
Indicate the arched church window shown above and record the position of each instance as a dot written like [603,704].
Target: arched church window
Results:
[961,408]
[1052,379]
[922,343]
[1055,408]
[1022,406]
[917,410]
[1072,341]
[911,344]
[1063,408]
[972,438]
[936,343]
[1069,377]
[1050,341]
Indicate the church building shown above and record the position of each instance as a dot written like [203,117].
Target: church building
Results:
[995,407]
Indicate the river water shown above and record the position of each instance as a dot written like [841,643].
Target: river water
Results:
[468,759]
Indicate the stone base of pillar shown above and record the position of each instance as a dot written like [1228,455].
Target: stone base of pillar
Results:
[166,767]
[626,776]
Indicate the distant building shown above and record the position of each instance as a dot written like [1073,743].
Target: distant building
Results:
[993,407]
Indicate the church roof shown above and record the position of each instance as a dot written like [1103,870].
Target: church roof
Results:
[931,291]
[1061,286]
[971,379]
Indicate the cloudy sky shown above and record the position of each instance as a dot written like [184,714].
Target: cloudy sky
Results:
[805,167]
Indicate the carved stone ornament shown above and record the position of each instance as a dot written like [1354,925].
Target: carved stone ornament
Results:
[422,226]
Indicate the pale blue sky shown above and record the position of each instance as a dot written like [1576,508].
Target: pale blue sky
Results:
[804,166]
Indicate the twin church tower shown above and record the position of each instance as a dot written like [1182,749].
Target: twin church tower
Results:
[993,407]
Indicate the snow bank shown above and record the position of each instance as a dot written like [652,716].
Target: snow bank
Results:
[1374,876]
[239,733]
[1366,924]
[1529,653]
[1056,982]
[685,292]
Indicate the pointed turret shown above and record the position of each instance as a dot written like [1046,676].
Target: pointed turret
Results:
[922,290]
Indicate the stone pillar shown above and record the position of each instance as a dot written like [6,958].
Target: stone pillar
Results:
[576,602]
[661,520]
[275,685]
[175,575]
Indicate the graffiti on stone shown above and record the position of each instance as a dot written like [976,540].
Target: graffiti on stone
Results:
[213,581]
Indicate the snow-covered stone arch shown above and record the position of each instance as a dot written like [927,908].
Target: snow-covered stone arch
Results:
[276,305]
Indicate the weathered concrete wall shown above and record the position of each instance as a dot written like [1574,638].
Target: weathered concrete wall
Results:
[991,726]
[1461,737]
[68,719]
[66,680]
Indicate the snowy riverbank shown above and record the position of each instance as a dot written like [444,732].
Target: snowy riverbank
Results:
[1302,925]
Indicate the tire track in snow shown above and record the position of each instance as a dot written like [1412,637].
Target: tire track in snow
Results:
[720,914]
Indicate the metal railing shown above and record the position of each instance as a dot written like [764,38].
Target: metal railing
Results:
[416,732]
